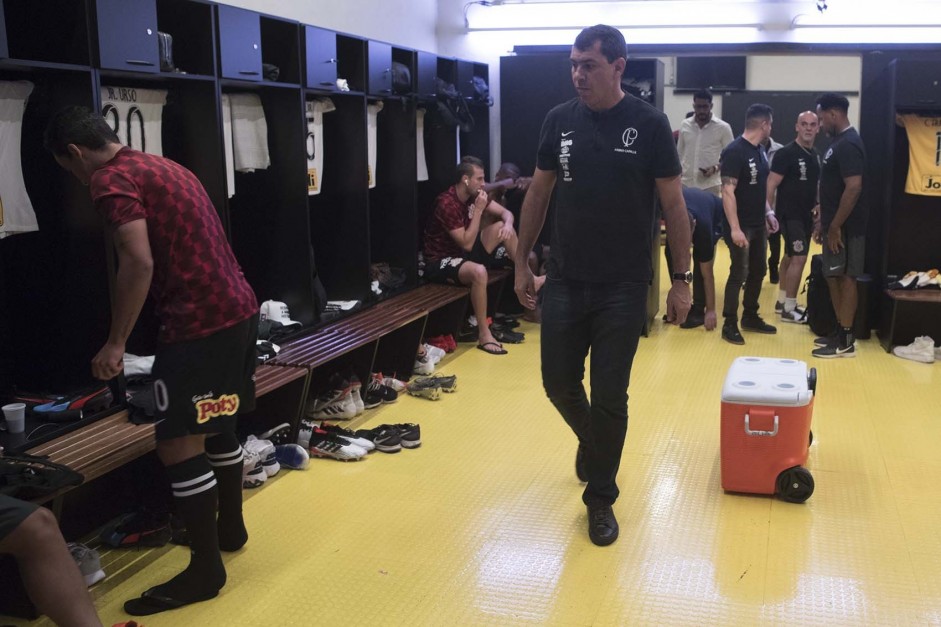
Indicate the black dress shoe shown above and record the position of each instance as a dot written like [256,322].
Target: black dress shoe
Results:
[756,324]
[693,321]
[732,335]
[602,525]
[581,465]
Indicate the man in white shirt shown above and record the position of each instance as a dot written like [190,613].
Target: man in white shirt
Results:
[701,140]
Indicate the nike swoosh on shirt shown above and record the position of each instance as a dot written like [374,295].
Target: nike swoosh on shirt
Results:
[835,267]
[567,134]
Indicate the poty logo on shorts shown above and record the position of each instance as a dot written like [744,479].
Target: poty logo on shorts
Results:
[225,405]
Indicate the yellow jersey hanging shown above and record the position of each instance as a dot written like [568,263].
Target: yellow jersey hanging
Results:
[924,154]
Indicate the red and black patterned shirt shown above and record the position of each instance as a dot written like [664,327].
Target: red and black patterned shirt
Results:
[449,214]
[197,284]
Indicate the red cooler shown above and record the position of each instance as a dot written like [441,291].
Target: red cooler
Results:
[767,406]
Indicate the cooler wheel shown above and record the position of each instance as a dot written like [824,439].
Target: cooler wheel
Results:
[795,485]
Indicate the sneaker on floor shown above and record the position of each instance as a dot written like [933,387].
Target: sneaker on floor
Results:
[292,456]
[778,306]
[832,351]
[732,335]
[304,431]
[347,434]
[391,382]
[756,324]
[265,450]
[336,404]
[140,528]
[424,365]
[377,393]
[922,349]
[826,340]
[794,316]
[356,391]
[89,563]
[277,435]
[435,353]
[410,433]
[385,438]
[425,387]
[447,383]
[323,444]
[253,469]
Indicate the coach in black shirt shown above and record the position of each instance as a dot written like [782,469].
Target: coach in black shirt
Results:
[843,216]
[744,167]
[606,154]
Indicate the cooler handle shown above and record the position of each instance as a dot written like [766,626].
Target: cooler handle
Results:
[772,433]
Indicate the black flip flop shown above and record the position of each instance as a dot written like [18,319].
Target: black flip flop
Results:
[150,602]
[483,346]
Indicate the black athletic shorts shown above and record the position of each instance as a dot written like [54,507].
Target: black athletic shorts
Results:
[499,258]
[201,385]
[12,513]
[849,261]
[444,270]
[796,235]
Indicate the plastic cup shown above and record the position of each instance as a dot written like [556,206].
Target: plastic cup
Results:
[15,414]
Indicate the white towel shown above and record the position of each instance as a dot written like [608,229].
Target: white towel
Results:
[372,125]
[16,210]
[227,144]
[249,133]
[315,110]
[422,164]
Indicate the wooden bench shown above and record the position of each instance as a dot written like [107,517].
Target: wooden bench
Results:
[907,314]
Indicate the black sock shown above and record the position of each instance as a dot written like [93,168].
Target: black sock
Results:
[195,493]
[225,457]
[846,337]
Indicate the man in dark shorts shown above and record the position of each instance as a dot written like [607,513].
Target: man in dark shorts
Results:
[607,155]
[792,191]
[843,217]
[51,577]
[458,248]
[169,240]
[748,220]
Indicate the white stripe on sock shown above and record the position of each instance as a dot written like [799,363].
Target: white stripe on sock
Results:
[225,459]
[203,488]
[186,484]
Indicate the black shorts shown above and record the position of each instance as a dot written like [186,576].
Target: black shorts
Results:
[201,385]
[12,513]
[444,270]
[499,258]
[796,235]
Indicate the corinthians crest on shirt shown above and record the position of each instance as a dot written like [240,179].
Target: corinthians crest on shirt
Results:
[628,137]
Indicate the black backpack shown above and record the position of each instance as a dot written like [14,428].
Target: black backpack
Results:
[452,106]
[820,315]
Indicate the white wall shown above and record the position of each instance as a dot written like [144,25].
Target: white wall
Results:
[407,23]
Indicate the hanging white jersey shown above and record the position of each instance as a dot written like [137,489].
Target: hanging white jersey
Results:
[315,110]
[136,115]
[16,210]
[924,154]
[227,146]
[422,164]
[249,133]
[372,125]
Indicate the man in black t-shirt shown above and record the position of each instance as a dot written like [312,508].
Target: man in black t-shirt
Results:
[792,191]
[749,218]
[843,216]
[606,154]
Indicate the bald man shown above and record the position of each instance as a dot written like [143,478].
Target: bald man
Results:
[792,191]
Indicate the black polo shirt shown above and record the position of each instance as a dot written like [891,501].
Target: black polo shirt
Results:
[797,192]
[845,157]
[606,164]
[747,163]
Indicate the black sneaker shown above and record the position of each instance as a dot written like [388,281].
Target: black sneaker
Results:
[385,437]
[410,434]
[832,351]
[732,335]
[277,435]
[756,324]
[826,340]
[778,306]
[602,525]
[581,470]
[377,393]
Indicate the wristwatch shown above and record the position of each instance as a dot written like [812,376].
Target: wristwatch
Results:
[686,277]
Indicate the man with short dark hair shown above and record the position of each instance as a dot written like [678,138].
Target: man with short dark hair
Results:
[701,140]
[607,155]
[748,219]
[169,241]
[458,249]
[843,217]
[792,191]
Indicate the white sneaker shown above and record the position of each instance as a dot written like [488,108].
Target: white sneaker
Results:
[922,349]
[332,405]
[356,391]
[266,452]
[392,382]
[435,353]
[253,469]
[323,444]
[88,561]
[424,365]
[796,316]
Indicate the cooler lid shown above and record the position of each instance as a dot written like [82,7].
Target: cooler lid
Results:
[767,381]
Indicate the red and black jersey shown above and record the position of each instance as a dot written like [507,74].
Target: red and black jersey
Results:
[197,284]
[449,214]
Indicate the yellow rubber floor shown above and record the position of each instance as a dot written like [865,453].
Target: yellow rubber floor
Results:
[483,525]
